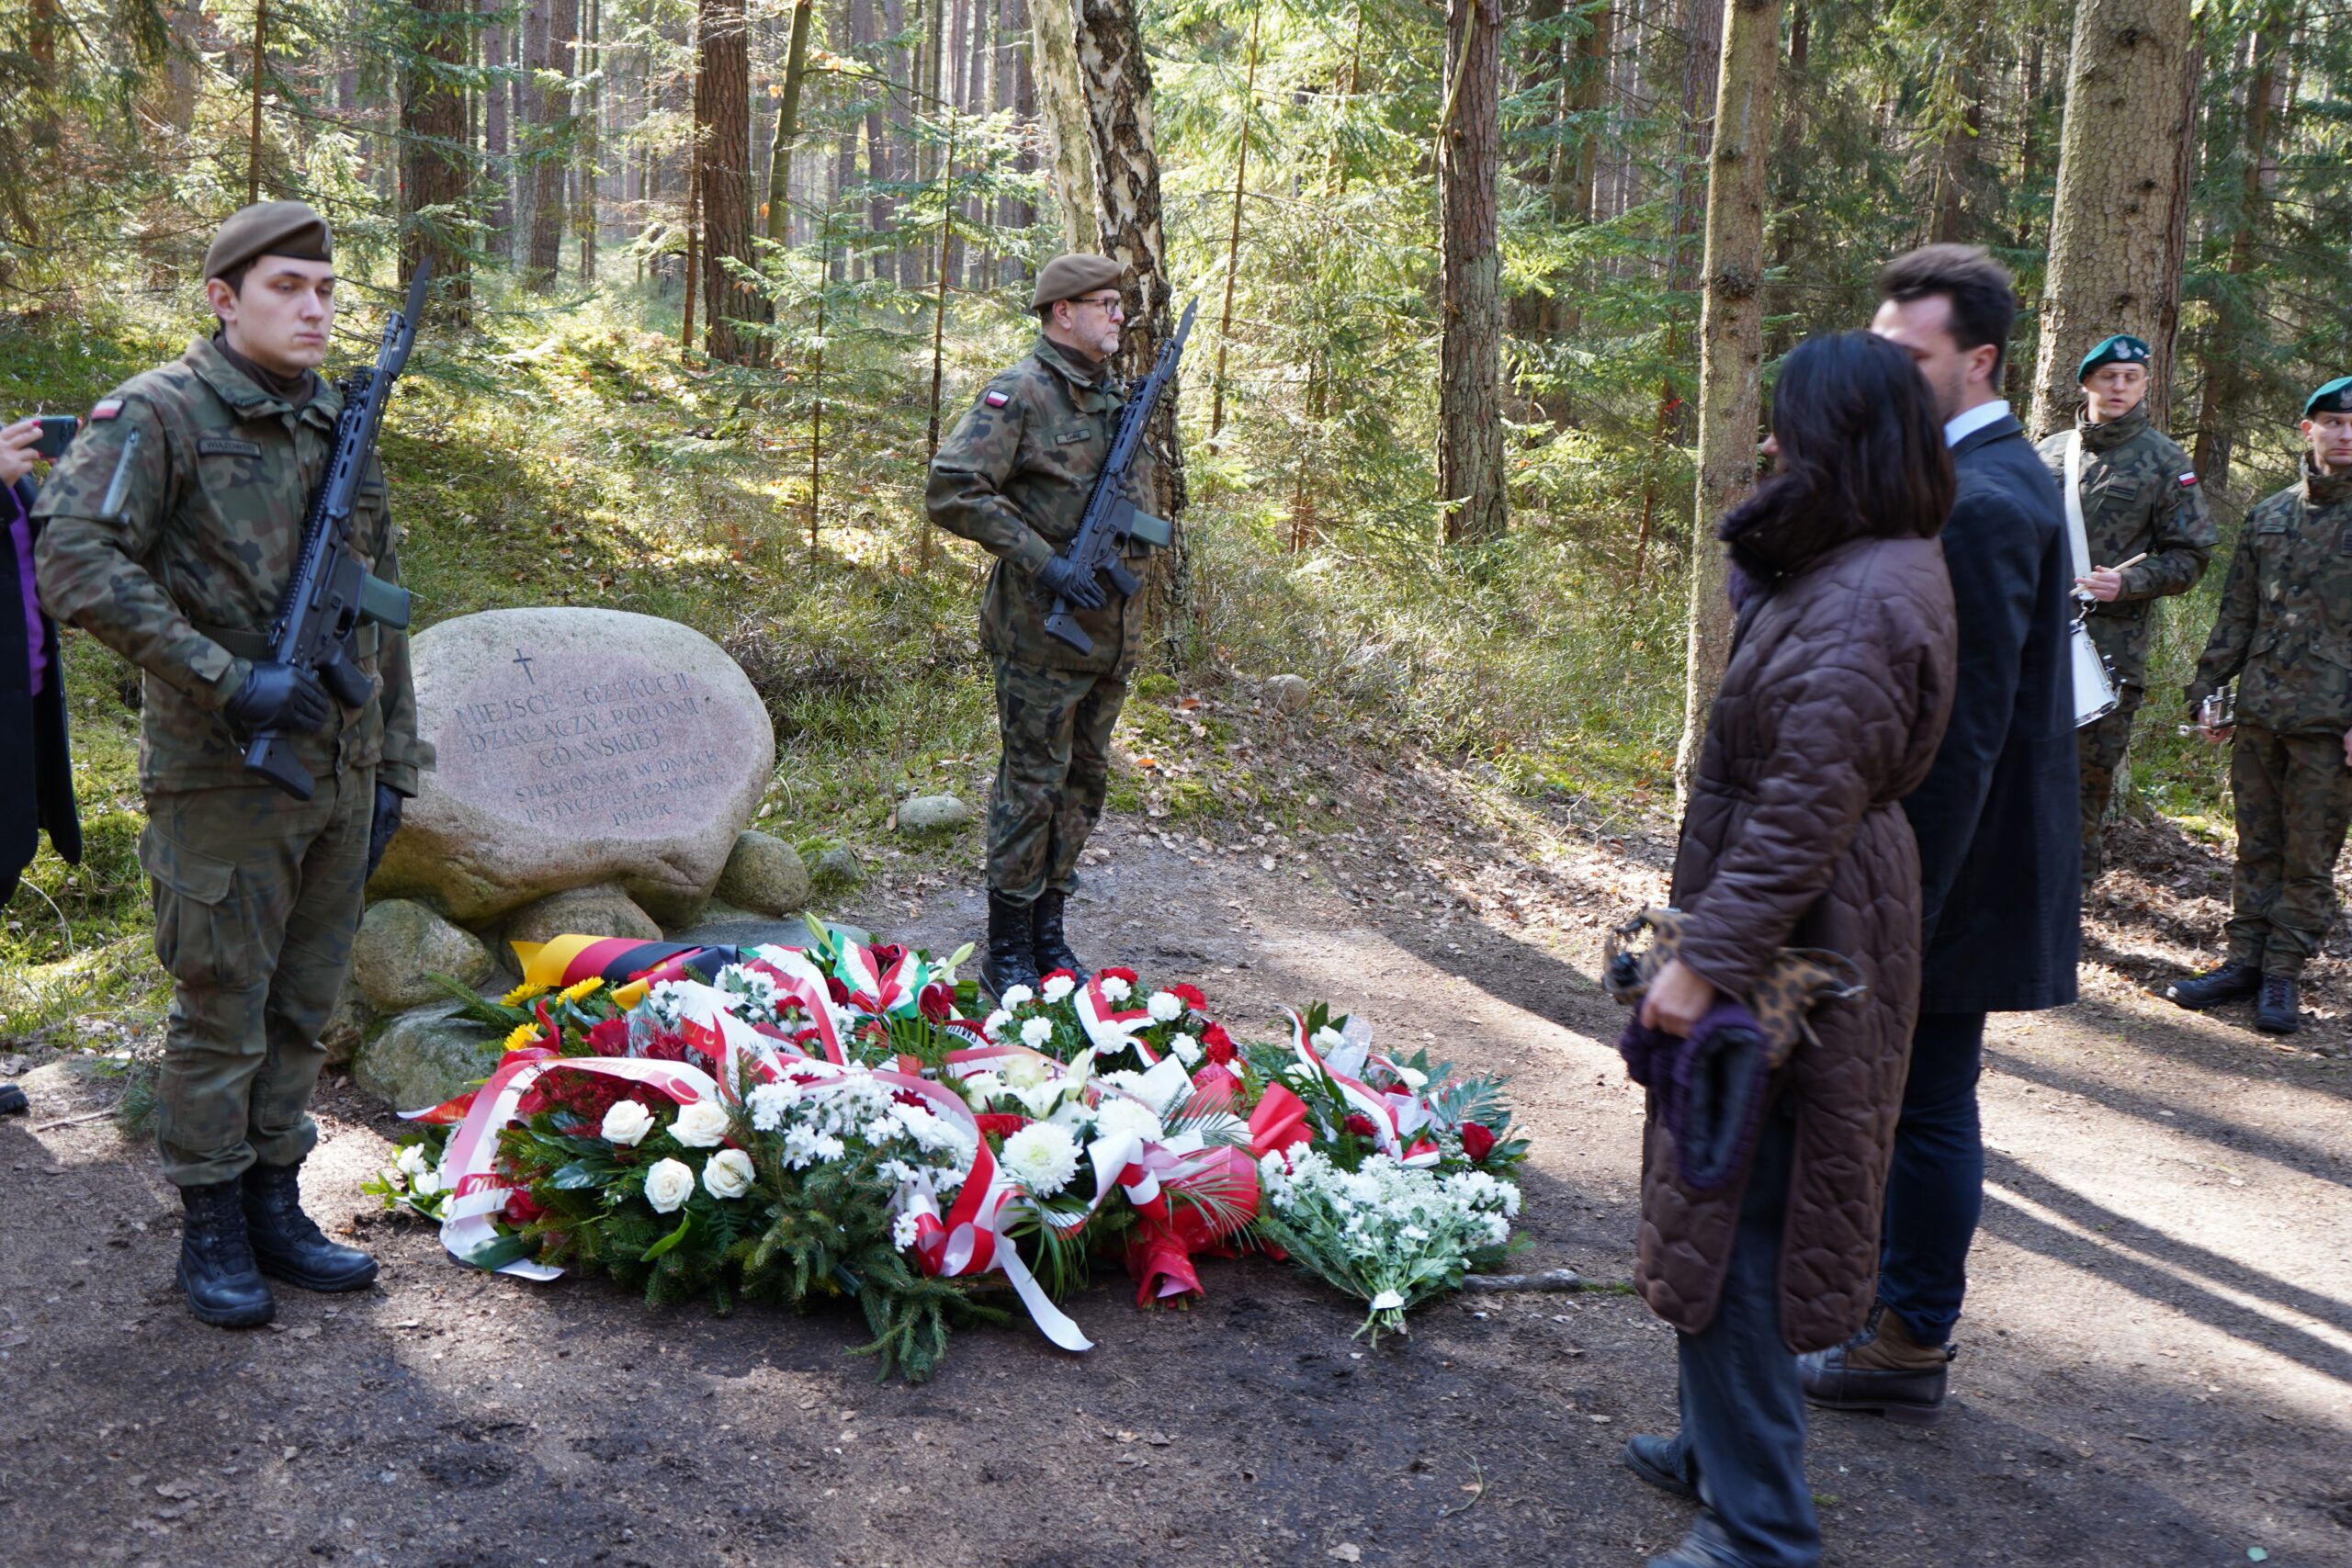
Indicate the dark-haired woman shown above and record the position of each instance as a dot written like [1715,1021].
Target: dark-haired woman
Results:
[1839,682]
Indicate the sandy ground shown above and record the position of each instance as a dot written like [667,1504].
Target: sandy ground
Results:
[2155,1367]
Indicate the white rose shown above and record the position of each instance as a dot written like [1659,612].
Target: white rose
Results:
[1037,1031]
[1015,995]
[627,1124]
[1115,990]
[702,1125]
[1165,1006]
[1327,1039]
[411,1159]
[1041,1157]
[1413,1078]
[1184,1048]
[728,1174]
[669,1184]
[1059,987]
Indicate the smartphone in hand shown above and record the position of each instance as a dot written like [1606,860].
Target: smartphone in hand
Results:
[57,433]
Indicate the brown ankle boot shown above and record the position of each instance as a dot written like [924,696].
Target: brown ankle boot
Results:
[1883,1371]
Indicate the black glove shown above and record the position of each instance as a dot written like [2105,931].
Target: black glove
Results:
[386,822]
[278,697]
[1083,589]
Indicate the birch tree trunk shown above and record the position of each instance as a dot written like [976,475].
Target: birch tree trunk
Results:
[1061,103]
[1731,342]
[1470,428]
[2114,257]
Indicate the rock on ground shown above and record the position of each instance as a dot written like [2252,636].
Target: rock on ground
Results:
[1287,693]
[763,876]
[603,910]
[932,814]
[424,1059]
[576,747]
[838,867]
[346,1027]
[402,944]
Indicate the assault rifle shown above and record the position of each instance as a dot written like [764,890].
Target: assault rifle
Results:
[1111,518]
[331,592]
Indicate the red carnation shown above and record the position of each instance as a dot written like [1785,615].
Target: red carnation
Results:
[1216,1044]
[521,1207]
[937,1002]
[1360,1125]
[1191,996]
[1056,974]
[609,1038]
[1002,1123]
[1477,1143]
[1129,976]
[884,956]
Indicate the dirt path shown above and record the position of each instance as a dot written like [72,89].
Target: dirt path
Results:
[2156,1368]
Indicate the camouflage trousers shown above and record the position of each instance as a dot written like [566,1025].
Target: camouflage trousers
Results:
[256,901]
[2294,798]
[2098,751]
[1055,728]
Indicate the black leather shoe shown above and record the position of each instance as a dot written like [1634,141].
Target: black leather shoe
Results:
[2230,983]
[224,1289]
[2280,1009]
[1655,1460]
[12,1101]
[288,1246]
[1047,945]
[1879,1371]
[1011,961]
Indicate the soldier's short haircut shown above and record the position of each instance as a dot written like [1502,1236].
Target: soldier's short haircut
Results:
[236,277]
[1984,301]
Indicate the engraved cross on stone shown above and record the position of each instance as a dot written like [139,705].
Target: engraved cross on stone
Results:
[522,659]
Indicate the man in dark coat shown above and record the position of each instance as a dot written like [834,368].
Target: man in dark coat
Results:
[36,775]
[1999,854]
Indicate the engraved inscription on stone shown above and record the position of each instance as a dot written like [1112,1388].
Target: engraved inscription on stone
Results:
[599,746]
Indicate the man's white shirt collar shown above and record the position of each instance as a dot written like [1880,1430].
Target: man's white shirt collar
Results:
[1968,422]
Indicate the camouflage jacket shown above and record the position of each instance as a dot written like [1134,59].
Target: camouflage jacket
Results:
[2286,620]
[1013,477]
[2139,496]
[187,582]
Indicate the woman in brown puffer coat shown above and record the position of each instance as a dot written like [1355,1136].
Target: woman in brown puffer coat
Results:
[1839,682]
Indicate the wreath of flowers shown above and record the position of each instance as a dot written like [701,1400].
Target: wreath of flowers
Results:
[799,1125]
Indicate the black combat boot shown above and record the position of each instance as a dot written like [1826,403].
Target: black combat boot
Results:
[12,1101]
[288,1246]
[2279,1010]
[1012,960]
[1046,942]
[2230,983]
[217,1269]
[1879,1371]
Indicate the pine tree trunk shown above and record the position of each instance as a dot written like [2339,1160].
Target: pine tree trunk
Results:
[2113,258]
[553,135]
[497,44]
[2238,300]
[1470,429]
[787,123]
[1731,342]
[433,161]
[723,132]
[586,108]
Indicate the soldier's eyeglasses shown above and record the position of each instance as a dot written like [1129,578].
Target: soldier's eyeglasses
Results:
[1106,303]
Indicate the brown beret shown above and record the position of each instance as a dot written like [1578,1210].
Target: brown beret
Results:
[269,229]
[1067,277]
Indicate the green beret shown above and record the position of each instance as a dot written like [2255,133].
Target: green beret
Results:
[2121,349]
[1067,277]
[269,229]
[2334,397]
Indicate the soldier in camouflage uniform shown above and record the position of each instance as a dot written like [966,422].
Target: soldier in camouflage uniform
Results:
[2140,498]
[2286,626]
[1014,476]
[176,550]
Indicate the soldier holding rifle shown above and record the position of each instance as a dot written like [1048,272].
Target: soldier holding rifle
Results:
[173,526]
[1016,477]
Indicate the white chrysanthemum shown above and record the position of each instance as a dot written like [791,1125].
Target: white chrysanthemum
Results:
[771,1102]
[1387,1300]
[1116,1116]
[1036,1031]
[903,1232]
[666,1002]
[1041,1157]
[1115,990]
[1015,995]
[425,1184]
[1059,987]
[1184,1048]
[411,1159]
[668,1184]
[1165,1006]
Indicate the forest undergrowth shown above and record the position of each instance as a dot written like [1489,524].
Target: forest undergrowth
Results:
[560,453]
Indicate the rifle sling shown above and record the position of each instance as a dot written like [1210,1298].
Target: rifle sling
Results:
[254,646]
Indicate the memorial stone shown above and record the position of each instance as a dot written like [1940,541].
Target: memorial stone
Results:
[576,747]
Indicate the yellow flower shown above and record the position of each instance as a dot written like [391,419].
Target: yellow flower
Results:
[521,994]
[586,988]
[525,1034]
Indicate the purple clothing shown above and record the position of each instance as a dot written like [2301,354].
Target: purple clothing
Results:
[20,535]
[1711,1089]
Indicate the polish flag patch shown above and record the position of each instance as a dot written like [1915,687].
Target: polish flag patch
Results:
[996,400]
[2189,478]
[107,409]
